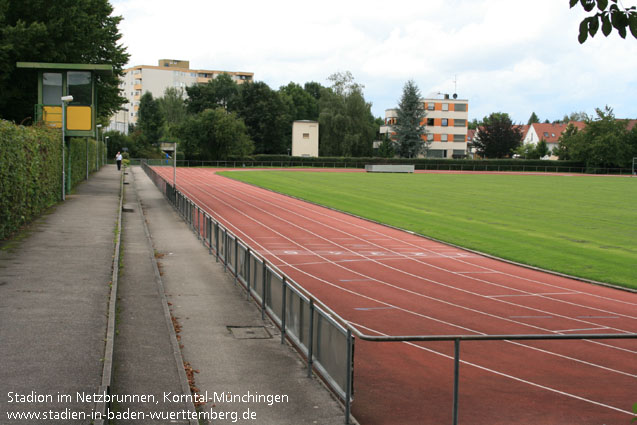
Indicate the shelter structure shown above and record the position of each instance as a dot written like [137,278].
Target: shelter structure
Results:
[56,80]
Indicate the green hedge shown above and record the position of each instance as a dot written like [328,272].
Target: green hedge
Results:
[30,164]
[30,171]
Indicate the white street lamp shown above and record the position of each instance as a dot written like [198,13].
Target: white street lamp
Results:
[107,137]
[65,100]
[97,143]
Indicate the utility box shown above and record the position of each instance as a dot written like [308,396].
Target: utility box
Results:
[62,79]
[305,138]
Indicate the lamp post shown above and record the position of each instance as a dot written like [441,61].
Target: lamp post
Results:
[175,167]
[65,100]
[97,143]
[107,137]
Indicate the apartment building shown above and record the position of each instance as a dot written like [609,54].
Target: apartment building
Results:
[446,123]
[140,79]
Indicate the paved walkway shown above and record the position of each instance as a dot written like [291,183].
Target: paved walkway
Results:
[54,291]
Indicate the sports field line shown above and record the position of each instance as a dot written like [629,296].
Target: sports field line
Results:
[394,286]
[524,381]
[245,192]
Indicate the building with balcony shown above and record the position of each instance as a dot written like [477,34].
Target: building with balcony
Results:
[140,79]
[446,124]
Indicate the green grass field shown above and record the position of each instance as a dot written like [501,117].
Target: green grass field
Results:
[583,226]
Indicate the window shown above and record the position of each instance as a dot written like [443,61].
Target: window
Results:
[458,137]
[430,137]
[445,106]
[546,134]
[430,122]
[444,137]
[459,123]
[306,135]
[79,83]
[51,88]
[445,122]
[461,107]
[430,106]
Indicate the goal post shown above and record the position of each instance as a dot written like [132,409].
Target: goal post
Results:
[634,166]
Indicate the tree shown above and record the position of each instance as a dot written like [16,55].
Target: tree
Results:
[575,116]
[608,17]
[218,92]
[386,148]
[542,149]
[214,134]
[173,110]
[347,126]
[533,119]
[497,137]
[527,151]
[301,104]
[567,138]
[604,142]
[150,120]
[265,116]
[410,128]
[63,31]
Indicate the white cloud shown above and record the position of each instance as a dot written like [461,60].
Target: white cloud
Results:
[510,56]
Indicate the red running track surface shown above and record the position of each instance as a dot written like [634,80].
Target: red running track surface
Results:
[390,282]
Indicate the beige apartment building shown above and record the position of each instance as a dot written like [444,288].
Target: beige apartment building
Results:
[446,123]
[140,79]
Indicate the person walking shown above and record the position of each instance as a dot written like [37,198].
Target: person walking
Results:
[118,158]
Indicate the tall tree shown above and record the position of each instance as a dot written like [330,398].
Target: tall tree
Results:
[533,119]
[150,120]
[214,134]
[347,126]
[609,15]
[218,92]
[62,31]
[173,109]
[410,123]
[265,116]
[497,137]
[604,142]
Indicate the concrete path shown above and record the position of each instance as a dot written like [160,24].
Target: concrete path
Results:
[54,289]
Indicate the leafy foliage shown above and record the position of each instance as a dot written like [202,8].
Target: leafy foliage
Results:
[533,119]
[608,17]
[151,120]
[215,134]
[347,126]
[497,137]
[63,31]
[218,92]
[31,171]
[410,128]
[604,142]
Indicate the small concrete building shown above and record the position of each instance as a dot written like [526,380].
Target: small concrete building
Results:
[305,138]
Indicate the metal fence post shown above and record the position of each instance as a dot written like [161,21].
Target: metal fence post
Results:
[283,308]
[236,261]
[348,384]
[265,275]
[248,260]
[456,375]
[310,343]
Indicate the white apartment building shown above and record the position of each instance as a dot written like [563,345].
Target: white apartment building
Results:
[140,79]
[446,122]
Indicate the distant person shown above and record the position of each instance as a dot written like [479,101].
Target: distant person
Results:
[167,158]
[118,158]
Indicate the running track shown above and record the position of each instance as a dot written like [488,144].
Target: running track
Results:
[389,282]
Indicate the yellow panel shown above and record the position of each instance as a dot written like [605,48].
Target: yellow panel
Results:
[78,118]
[52,116]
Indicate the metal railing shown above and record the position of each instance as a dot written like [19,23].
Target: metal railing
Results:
[313,329]
[451,166]
[322,336]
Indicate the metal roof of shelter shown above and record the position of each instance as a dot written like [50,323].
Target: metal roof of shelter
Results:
[97,68]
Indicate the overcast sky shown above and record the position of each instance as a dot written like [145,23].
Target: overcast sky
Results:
[514,56]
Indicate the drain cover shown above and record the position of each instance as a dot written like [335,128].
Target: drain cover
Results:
[249,332]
